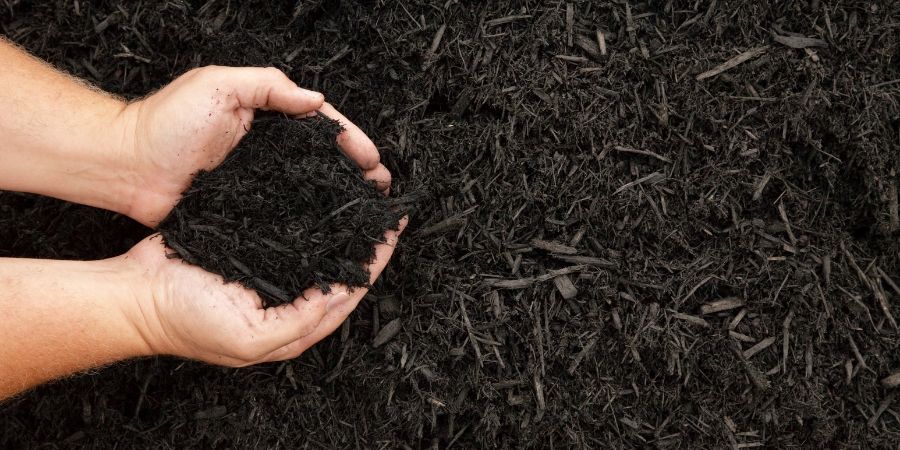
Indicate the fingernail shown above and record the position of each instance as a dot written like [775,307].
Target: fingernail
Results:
[337,300]
[313,95]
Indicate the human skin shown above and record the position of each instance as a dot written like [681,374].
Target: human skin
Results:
[62,138]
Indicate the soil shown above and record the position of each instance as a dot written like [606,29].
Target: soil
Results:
[633,224]
[284,212]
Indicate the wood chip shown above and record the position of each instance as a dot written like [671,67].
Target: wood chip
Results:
[889,281]
[622,149]
[874,287]
[724,304]
[760,346]
[757,378]
[588,260]
[435,44]
[443,226]
[386,333]
[891,381]
[787,223]
[337,57]
[523,283]
[539,392]
[554,247]
[468,324]
[588,45]
[505,20]
[734,62]
[859,357]
[740,336]
[786,339]
[601,42]
[580,356]
[882,407]
[212,413]
[566,287]
[241,267]
[653,177]
[573,59]
[616,319]
[462,102]
[799,41]
[692,319]
[757,193]
[271,289]
[893,205]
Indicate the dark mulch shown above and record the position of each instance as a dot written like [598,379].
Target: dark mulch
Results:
[285,211]
[604,250]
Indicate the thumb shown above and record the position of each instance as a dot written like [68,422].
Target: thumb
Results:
[269,88]
[289,322]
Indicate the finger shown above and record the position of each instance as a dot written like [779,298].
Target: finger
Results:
[286,323]
[267,88]
[385,250]
[337,315]
[380,176]
[352,141]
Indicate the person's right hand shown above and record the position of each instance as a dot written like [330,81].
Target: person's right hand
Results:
[197,120]
[194,314]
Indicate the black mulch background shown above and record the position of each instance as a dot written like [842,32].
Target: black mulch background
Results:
[575,217]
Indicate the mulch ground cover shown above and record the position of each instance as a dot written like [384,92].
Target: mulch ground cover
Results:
[633,224]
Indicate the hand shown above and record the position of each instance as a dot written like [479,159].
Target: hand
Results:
[190,125]
[192,313]
[194,122]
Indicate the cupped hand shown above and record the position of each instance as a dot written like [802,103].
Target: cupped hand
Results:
[194,122]
[194,314]
[167,138]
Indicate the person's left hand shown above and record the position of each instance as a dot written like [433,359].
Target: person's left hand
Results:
[185,311]
[194,122]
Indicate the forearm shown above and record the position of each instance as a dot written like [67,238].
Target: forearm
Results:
[63,317]
[57,136]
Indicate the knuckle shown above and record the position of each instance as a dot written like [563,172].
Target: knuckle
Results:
[371,160]
[275,73]
[379,174]
[205,70]
[367,157]
[193,73]
[204,73]
[386,173]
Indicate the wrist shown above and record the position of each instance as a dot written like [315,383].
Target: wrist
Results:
[131,292]
[117,144]
[144,194]
[142,267]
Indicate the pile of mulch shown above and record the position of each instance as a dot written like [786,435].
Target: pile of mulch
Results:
[285,211]
[632,224]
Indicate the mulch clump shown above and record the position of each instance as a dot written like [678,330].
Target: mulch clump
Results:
[632,224]
[285,211]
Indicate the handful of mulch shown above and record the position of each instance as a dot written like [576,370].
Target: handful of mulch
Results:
[284,212]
